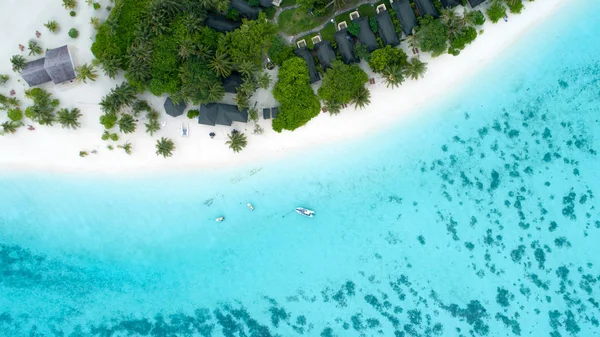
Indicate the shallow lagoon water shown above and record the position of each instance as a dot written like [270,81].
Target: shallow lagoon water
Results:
[478,217]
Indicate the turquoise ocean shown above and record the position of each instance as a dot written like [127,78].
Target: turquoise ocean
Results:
[479,216]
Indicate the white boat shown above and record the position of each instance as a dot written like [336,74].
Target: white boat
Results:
[219,219]
[305,211]
[250,206]
[185,130]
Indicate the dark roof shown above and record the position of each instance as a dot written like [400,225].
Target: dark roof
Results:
[265,3]
[59,65]
[450,3]
[312,70]
[325,53]
[221,24]
[34,73]
[475,3]
[222,114]
[172,109]
[405,15]
[232,82]
[274,111]
[345,45]
[386,30]
[366,36]
[266,113]
[426,7]
[245,9]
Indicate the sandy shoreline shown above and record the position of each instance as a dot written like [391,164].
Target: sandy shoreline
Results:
[54,148]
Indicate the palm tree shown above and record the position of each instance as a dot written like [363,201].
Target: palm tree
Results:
[333,107]
[52,26]
[263,80]
[95,22]
[125,94]
[207,4]
[242,100]
[337,4]
[152,126]
[237,141]
[393,75]
[412,39]
[126,147]
[69,118]
[415,68]
[362,98]
[246,68]
[222,5]
[202,52]
[34,48]
[69,4]
[215,92]
[164,147]
[111,66]
[248,87]
[18,63]
[86,72]
[469,18]
[221,64]
[127,123]
[10,126]
[186,49]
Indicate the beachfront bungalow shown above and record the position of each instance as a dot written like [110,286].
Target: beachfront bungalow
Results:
[245,9]
[312,69]
[172,109]
[56,66]
[221,114]
[426,7]
[385,28]
[366,36]
[221,24]
[450,3]
[475,3]
[405,15]
[345,45]
[325,53]
[232,82]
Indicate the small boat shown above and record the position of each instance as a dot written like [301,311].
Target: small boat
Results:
[305,211]
[250,206]
[219,219]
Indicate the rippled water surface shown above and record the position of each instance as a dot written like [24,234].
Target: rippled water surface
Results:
[479,217]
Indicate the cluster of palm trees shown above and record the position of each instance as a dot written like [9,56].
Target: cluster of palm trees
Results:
[152,116]
[395,74]
[42,110]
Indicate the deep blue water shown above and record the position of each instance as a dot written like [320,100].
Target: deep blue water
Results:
[479,217]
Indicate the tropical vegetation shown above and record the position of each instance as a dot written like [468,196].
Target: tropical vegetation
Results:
[165,147]
[69,118]
[386,57]
[237,141]
[341,84]
[415,68]
[86,72]
[18,63]
[42,110]
[496,11]
[34,47]
[52,26]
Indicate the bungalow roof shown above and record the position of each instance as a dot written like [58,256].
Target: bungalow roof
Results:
[245,9]
[345,45]
[475,3]
[426,7]
[405,15]
[325,53]
[221,24]
[222,114]
[386,29]
[312,69]
[366,35]
[59,65]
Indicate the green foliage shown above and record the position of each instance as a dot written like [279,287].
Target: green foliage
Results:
[69,4]
[83,154]
[97,6]
[10,127]
[52,26]
[385,57]
[361,51]
[221,64]
[253,114]
[140,106]
[126,147]
[237,141]
[496,11]
[253,3]
[127,123]
[362,98]
[293,91]
[341,82]
[393,76]
[18,63]
[152,126]
[8,102]
[73,14]
[233,14]
[73,33]
[515,6]
[69,118]
[114,137]
[354,29]
[373,24]
[4,79]
[42,110]
[34,48]
[415,69]
[165,147]
[263,80]
[250,42]
[197,79]
[108,120]
[191,114]
[432,36]
[463,38]
[120,96]
[86,72]
[164,66]
[280,50]
[95,22]
[478,17]
[15,114]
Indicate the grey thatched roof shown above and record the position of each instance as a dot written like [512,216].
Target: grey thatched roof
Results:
[265,3]
[475,3]
[386,29]
[405,15]
[325,53]
[450,3]
[274,111]
[312,70]
[173,109]
[35,74]
[232,82]
[59,65]
[426,7]
[245,9]
[366,36]
[266,113]
[345,45]
[222,114]
[221,24]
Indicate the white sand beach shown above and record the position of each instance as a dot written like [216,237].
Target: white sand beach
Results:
[55,148]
